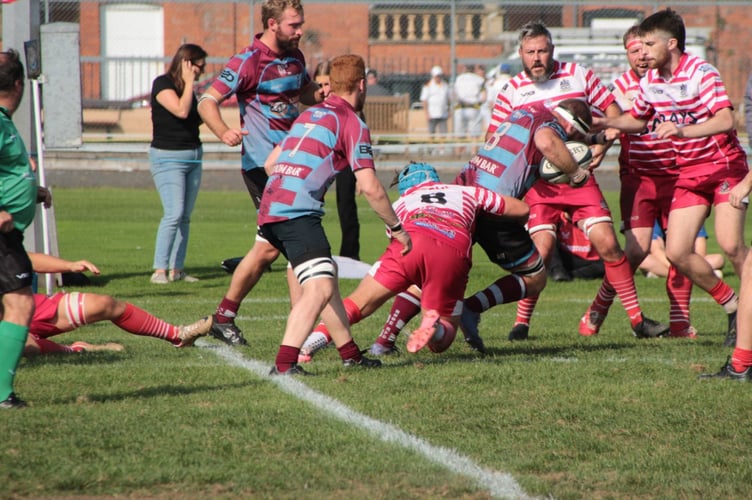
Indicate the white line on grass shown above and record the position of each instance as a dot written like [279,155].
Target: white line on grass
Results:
[499,484]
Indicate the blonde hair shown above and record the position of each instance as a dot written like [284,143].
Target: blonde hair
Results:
[273,9]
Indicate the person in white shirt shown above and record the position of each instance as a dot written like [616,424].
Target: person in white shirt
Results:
[435,98]
[469,95]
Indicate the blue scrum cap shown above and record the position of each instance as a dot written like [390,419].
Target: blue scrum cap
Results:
[414,174]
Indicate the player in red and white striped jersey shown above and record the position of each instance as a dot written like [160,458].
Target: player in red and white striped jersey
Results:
[547,81]
[682,98]
[648,172]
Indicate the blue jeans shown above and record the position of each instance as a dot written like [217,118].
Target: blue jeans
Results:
[177,175]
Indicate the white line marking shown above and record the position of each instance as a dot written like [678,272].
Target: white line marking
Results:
[499,484]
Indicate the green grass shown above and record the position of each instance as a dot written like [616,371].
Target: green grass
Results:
[567,416]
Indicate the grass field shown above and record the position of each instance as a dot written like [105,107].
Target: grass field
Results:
[557,416]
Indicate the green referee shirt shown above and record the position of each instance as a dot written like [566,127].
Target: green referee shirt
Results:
[18,185]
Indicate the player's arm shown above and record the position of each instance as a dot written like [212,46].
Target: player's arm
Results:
[601,143]
[208,109]
[623,122]
[43,263]
[312,94]
[271,160]
[505,206]
[372,189]
[719,123]
[555,150]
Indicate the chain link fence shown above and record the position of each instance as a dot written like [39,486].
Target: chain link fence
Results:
[124,45]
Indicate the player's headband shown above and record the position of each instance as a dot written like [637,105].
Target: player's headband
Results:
[633,42]
[573,120]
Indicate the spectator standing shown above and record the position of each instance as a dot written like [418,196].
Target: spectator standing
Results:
[175,155]
[684,97]
[469,93]
[347,208]
[269,78]
[18,198]
[435,96]
[324,140]
[374,87]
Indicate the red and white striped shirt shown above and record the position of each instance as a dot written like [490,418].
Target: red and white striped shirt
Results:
[642,153]
[447,211]
[694,94]
[568,81]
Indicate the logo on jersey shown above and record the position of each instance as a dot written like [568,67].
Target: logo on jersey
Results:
[725,188]
[565,85]
[279,108]
[683,90]
[365,149]
[283,69]
[227,75]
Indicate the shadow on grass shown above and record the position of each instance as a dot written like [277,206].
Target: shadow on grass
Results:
[157,391]
[202,273]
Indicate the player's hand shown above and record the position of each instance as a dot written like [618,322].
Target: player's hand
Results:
[44,196]
[664,130]
[738,194]
[403,237]
[6,222]
[233,136]
[579,178]
[599,153]
[83,265]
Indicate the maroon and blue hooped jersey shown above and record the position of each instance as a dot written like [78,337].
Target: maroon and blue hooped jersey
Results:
[268,87]
[323,141]
[507,163]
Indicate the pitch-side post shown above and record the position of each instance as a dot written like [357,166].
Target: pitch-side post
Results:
[34,74]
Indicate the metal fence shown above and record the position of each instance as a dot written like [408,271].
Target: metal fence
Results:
[124,45]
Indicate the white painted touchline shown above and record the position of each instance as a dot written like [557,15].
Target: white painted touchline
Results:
[498,484]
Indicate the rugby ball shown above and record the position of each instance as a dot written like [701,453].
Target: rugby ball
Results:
[551,173]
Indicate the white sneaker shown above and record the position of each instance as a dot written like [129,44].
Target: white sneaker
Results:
[181,276]
[159,279]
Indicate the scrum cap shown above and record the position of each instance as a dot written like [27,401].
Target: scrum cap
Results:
[414,174]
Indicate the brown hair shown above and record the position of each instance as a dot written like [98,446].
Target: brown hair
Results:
[669,21]
[322,69]
[187,51]
[633,32]
[345,73]
[273,9]
[11,70]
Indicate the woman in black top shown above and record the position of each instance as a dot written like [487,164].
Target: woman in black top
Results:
[175,155]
